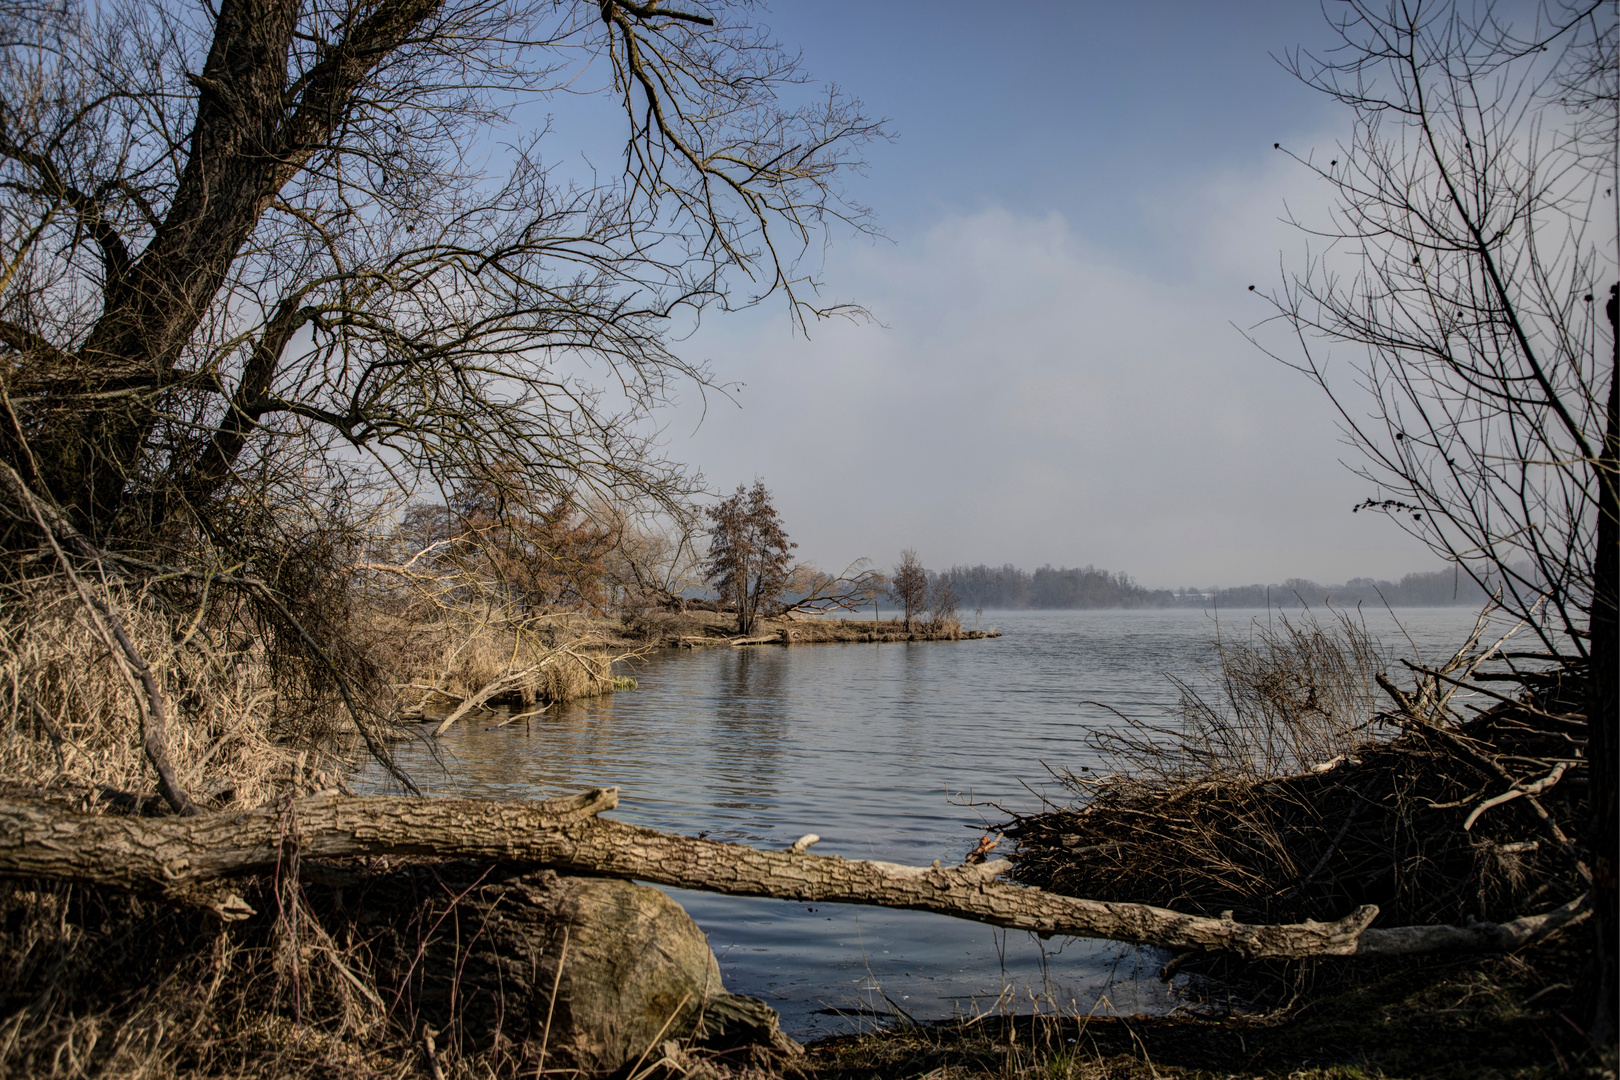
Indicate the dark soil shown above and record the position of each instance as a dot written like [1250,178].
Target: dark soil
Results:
[1445,1020]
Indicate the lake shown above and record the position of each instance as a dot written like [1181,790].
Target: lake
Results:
[901,752]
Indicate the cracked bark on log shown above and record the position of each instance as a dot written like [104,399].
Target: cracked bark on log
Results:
[188,860]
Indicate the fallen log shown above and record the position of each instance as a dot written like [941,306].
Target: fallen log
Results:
[1475,937]
[191,860]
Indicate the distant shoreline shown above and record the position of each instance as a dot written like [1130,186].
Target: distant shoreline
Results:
[1009,588]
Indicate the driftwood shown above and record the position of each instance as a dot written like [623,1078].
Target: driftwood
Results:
[190,860]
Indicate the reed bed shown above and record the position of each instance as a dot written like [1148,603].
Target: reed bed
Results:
[104,984]
[453,660]
[241,727]
[257,707]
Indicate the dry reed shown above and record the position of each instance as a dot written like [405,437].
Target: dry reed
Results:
[238,732]
[97,983]
[1283,794]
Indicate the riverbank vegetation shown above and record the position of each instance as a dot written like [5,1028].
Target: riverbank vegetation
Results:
[1476,247]
[1286,793]
[267,283]
[273,271]
[1298,780]
[1443,1019]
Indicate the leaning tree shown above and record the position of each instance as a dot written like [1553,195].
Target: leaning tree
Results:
[265,261]
[294,224]
[1467,261]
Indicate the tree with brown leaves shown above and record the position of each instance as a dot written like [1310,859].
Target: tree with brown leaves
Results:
[749,553]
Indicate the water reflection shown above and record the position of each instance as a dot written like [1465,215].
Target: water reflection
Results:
[888,752]
[748,735]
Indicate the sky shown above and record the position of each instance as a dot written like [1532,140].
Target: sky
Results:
[1077,198]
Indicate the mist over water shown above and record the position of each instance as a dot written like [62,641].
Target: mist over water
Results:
[901,752]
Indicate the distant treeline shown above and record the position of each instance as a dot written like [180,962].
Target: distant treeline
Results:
[1051,587]
[1087,587]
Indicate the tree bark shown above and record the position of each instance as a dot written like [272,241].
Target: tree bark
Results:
[247,142]
[187,861]
[1603,723]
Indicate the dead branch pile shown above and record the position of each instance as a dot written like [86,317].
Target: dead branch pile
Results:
[1444,822]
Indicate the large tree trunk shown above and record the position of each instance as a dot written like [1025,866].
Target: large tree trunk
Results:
[1603,706]
[247,142]
[188,860]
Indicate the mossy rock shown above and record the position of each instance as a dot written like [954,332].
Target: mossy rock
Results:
[475,954]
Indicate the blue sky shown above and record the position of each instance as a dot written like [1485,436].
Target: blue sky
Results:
[1077,199]
[1072,107]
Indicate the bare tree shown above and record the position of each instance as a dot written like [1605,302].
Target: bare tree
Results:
[749,561]
[821,593]
[1467,261]
[942,601]
[908,586]
[267,261]
[273,226]
[544,554]
[656,561]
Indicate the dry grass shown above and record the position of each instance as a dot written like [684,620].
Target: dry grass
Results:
[238,733]
[455,638]
[378,973]
[452,662]
[1283,795]
[106,985]
[702,627]
[1384,829]
[94,983]
[1295,693]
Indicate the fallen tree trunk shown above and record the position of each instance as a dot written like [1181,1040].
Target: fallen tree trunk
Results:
[190,860]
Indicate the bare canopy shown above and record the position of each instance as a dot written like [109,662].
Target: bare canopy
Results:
[240,236]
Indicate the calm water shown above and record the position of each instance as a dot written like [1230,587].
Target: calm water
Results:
[902,752]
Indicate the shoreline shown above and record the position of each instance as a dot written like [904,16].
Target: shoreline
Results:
[699,629]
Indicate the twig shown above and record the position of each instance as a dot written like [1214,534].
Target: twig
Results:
[634,1074]
[1332,847]
[154,713]
[498,685]
[551,1005]
[1492,768]
[1526,706]
[1518,790]
[523,716]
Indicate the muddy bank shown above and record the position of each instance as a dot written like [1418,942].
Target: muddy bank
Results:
[1441,1020]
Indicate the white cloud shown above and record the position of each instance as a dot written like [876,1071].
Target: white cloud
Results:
[1031,398]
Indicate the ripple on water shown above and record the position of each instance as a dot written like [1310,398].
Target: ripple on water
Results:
[900,752]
